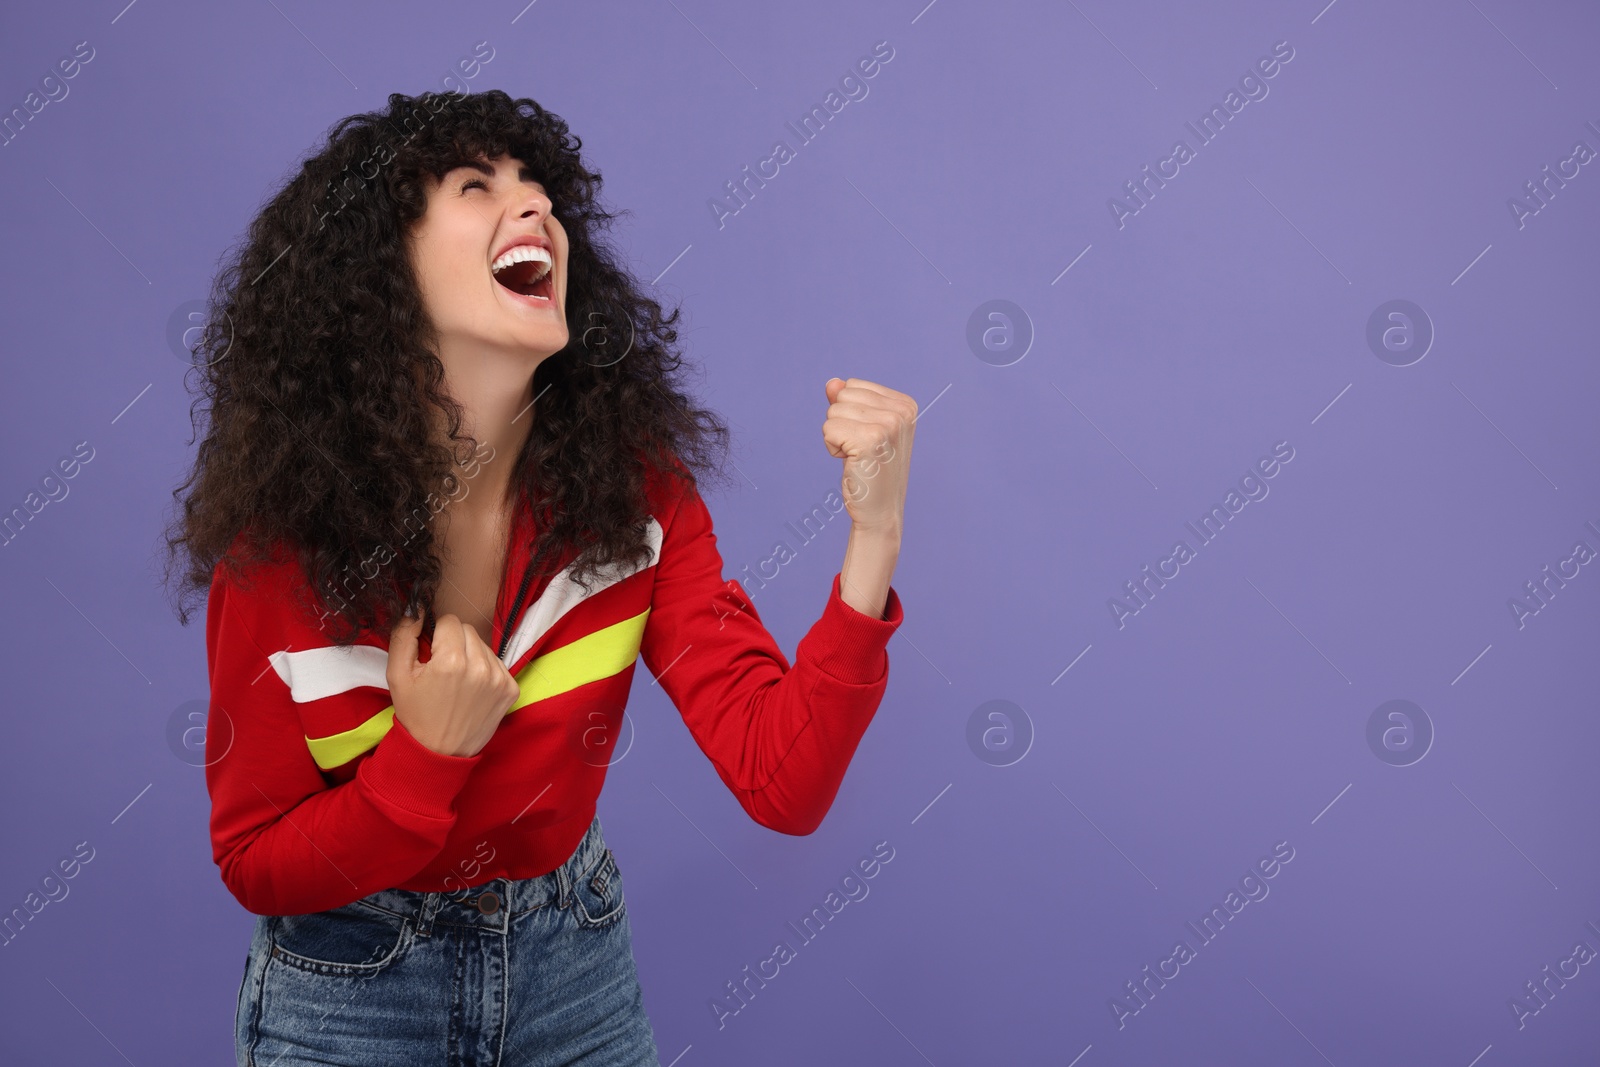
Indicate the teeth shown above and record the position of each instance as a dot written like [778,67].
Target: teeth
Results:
[523,253]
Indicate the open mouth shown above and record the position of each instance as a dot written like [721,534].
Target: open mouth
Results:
[526,270]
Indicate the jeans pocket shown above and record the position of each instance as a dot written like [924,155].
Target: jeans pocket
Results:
[353,941]
[597,894]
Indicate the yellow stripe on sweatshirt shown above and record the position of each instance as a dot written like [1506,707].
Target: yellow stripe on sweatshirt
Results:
[590,658]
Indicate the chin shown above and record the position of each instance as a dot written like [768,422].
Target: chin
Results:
[543,342]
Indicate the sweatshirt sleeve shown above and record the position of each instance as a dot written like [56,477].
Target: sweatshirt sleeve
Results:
[287,842]
[780,737]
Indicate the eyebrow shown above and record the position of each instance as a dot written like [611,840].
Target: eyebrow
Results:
[484,168]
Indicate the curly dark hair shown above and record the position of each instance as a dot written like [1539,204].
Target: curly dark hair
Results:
[317,369]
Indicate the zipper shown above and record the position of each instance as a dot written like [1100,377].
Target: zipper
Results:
[516,606]
[527,577]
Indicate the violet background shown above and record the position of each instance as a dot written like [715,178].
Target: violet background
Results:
[1229,314]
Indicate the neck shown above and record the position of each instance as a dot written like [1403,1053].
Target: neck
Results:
[496,397]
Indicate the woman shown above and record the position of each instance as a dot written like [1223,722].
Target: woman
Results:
[445,499]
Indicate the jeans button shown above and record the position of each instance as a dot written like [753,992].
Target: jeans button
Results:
[488,903]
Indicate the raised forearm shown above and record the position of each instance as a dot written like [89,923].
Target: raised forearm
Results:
[869,560]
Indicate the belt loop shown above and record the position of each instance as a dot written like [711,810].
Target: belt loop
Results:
[510,898]
[563,887]
[425,914]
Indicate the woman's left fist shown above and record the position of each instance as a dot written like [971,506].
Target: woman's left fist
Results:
[870,427]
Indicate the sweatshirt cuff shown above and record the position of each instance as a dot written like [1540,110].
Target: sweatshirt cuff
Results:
[414,778]
[850,645]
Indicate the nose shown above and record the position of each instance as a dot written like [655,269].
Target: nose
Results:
[534,205]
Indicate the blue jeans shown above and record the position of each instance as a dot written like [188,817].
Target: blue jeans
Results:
[534,972]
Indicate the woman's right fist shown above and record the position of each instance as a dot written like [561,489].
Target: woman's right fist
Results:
[454,702]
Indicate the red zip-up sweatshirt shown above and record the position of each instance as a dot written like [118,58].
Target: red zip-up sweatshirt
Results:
[320,796]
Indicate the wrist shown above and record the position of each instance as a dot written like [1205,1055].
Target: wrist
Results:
[886,533]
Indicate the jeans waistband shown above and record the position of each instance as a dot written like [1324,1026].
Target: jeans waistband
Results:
[491,905]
